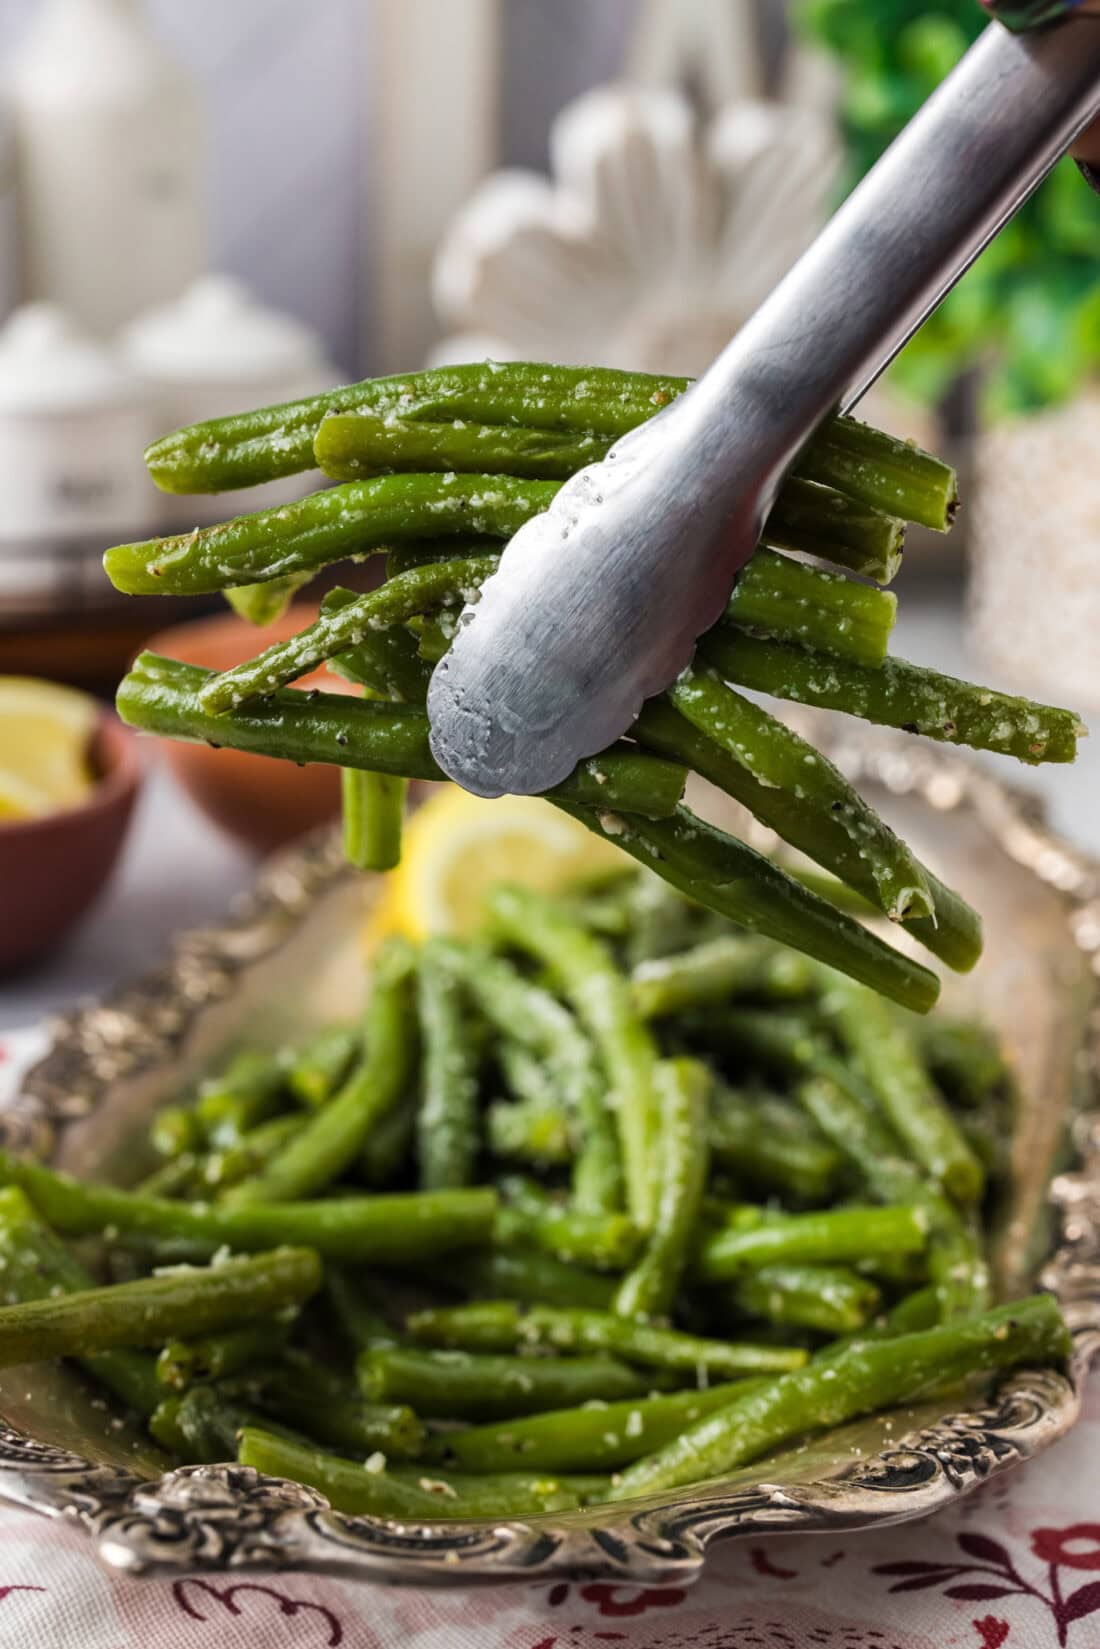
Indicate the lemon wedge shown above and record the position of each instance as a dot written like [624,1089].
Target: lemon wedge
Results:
[45,731]
[457,845]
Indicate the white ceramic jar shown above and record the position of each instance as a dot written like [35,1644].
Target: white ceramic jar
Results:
[112,166]
[8,232]
[73,425]
[218,351]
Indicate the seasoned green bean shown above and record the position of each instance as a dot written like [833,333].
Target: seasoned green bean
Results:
[954,935]
[334,1136]
[191,1300]
[354,444]
[717,971]
[34,1265]
[401,1227]
[651,1288]
[182,1362]
[316,1070]
[485,1386]
[895,693]
[595,1437]
[780,759]
[821,1237]
[520,1273]
[530,1215]
[829,1299]
[886,1054]
[372,1491]
[502,1325]
[765,1143]
[159,696]
[312,532]
[725,875]
[873,1375]
[447,1126]
[248,1091]
[600,997]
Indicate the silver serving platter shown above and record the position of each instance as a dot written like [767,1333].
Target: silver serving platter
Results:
[290,958]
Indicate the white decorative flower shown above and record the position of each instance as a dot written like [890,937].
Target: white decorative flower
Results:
[653,242]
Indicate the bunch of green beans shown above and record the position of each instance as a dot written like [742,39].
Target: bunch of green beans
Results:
[439,469]
[761,1216]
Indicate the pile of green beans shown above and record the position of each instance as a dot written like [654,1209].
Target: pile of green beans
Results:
[612,1197]
[439,469]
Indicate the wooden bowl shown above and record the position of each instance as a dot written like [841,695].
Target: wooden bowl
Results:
[264,803]
[53,867]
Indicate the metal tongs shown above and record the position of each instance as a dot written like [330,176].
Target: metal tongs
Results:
[598,602]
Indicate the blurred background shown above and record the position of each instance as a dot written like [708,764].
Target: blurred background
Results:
[208,206]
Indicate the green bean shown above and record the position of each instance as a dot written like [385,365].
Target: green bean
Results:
[819,521]
[600,997]
[178,1177]
[384,660]
[873,1375]
[372,807]
[153,1309]
[315,1071]
[765,1143]
[780,759]
[447,1126]
[880,470]
[365,1491]
[523,1131]
[955,933]
[203,1425]
[306,1396]
[530,1080]
[897,694]
[340,628]
[716,971]
[400,1227]
[312,532]
[604,1241]
[821,1237]
[350,445]
[650,1289]
[963,1058]
[359,1321]
[159,696]
[886,1054]
[848,1118]
[183,1362]
[829,1299]
[596,1437]
[388,1147]
[247,448]
[222,1169]
[246,1092]
[526,1274]
[333,1137]
[533,1017]
[34,1264]
[483,1386]
[807,517]
[175,1131]
[659,921]
[816,608]
[501,1325]
[726,876]
[251,447]
[262,604]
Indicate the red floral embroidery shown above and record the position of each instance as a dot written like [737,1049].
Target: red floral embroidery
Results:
[1053,1545]
[227,1597]
[609,1598]
[992,1631]
[5,1591]
[1001,1578]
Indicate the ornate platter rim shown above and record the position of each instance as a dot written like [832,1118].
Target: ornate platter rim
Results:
[230,1517]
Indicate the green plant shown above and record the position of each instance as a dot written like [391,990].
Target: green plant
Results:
[1028,312]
